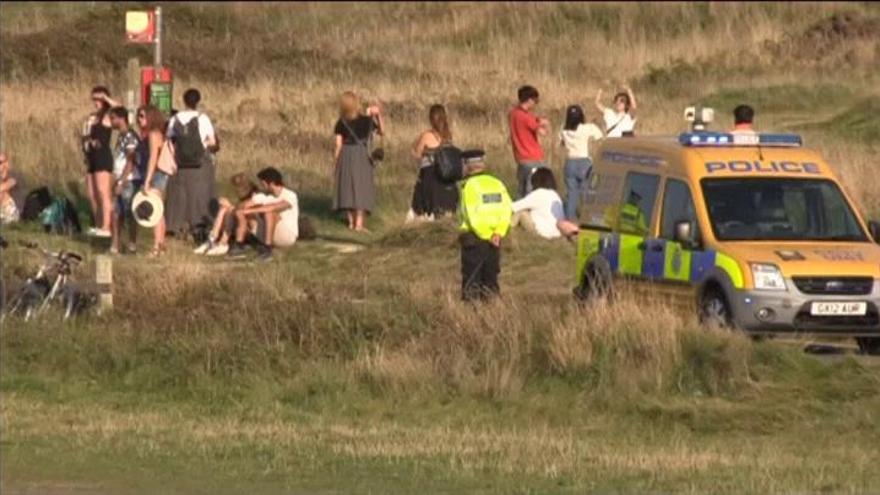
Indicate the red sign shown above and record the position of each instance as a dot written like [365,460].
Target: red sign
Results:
[140,26]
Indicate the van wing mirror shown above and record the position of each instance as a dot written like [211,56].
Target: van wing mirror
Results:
[874,230]
[684,234]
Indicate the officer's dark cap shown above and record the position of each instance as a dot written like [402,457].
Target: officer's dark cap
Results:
[472,156]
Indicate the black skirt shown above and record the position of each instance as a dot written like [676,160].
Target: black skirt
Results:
[433,197]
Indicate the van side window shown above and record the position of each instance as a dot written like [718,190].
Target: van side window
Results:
[678,206]
[639,193]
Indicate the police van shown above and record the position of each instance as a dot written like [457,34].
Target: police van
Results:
[752,231]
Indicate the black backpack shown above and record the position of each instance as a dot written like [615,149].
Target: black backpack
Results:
[34,203]
[189,151]
[447,164]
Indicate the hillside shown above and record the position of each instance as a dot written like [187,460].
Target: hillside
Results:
[328,371]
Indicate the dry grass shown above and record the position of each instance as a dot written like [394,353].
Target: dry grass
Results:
[383,325]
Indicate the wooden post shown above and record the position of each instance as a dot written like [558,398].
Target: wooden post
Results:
[104,279]
[133,83]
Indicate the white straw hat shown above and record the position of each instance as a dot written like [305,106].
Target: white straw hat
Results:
[147,209]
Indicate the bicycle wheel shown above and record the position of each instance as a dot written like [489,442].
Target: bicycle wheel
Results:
[28,300]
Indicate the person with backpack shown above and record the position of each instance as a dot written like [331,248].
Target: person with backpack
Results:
[575,137]
[432,197]
[619,121]
[353,165]
[192,189]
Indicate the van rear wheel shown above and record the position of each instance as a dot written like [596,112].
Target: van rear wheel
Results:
[869,345]
[715,310]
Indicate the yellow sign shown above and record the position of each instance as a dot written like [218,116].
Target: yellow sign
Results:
[140,26]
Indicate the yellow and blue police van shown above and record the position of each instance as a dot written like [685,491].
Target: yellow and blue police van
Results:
[751,231]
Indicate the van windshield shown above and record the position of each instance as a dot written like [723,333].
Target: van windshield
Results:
[759,209]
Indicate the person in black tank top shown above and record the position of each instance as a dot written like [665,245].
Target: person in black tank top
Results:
[431,197]
[98,153]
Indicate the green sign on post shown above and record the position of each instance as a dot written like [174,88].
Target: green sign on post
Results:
[160,96]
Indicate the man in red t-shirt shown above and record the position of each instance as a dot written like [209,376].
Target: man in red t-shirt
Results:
[525,127]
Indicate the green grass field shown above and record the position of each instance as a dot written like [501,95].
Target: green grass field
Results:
[328,371]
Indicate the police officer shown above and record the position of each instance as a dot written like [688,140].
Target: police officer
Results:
[632,217]
[485,211]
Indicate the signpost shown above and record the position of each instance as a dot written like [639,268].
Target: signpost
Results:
[156,81]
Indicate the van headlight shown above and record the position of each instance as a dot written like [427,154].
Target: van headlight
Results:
[767,277]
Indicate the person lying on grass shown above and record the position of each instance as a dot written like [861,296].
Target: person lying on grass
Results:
[277,213]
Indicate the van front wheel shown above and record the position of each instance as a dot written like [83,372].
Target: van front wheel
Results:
[869,345]
[714,310]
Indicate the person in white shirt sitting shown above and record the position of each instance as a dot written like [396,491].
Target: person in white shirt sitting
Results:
[278,211]
[541,210]
[619,121]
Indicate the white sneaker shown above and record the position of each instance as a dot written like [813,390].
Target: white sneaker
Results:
[218,250]
[203,248]
[101,233]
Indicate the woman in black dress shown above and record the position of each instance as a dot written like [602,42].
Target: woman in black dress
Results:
[355,190]
[431,197]
[99,161]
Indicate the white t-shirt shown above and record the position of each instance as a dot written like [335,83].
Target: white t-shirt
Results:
[287,229]
[545,208]
[577,142]
[624,122]
[206,128]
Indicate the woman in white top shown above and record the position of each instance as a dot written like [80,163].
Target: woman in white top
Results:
[575,136]
[541,210]
[619,121]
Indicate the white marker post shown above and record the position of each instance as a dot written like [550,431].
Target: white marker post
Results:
[104,279]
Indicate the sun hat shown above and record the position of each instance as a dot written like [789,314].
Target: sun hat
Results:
[147,208]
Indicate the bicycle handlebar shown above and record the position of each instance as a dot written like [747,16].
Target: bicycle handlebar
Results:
[62,256]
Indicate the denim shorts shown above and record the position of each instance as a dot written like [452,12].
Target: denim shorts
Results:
[160,180]
[123,201]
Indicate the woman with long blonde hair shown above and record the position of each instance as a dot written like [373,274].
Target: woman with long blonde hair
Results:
[355,189]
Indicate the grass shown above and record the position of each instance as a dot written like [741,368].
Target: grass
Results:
[326,371]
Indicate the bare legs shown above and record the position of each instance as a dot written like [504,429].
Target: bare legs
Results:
[356,220]
[103,190]
[93,198]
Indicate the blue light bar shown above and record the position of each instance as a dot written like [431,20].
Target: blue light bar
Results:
[723,139]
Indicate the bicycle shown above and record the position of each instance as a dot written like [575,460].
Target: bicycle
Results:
[51,285]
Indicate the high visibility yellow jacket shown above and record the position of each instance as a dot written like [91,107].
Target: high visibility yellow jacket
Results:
[485,207]
[632,220]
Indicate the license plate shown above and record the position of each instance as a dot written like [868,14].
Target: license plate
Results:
[838,308]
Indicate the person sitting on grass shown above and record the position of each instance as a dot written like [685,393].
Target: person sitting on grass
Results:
[277,212]
[224,222]
[541,209]
[9,208]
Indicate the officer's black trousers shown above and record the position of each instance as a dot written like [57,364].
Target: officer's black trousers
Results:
[480,265]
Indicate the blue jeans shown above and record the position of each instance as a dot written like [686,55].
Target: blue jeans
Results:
[523,177]
[576,172]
